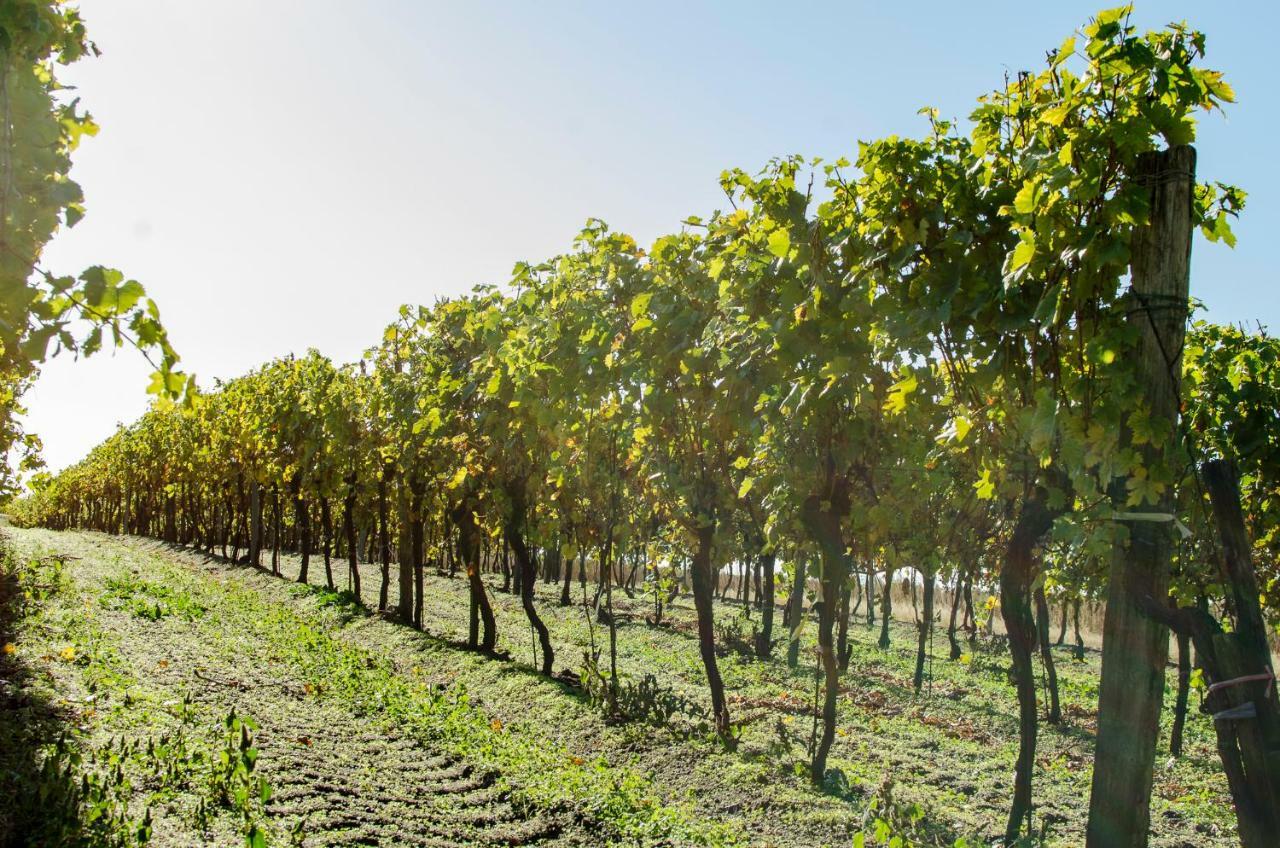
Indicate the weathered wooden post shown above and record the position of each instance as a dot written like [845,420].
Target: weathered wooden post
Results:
[1135,645]
[1243,683]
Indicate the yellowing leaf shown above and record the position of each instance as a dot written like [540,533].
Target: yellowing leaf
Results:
[458,477]
[1065,51]
[1022,255]
[746,486]
[897,400]
[779,243]
[1143,489]
[955,431]
[985,487]
[1025,200]
[68,653]
[432,422]
[640,304]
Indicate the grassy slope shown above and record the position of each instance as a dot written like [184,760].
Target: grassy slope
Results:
[138,647]
[951,750]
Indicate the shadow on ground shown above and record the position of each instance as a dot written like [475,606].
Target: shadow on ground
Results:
[39,795]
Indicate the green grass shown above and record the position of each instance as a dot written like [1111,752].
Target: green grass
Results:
[235,622]
[949,750]
[938,765]
[94,754]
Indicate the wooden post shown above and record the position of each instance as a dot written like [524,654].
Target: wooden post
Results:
[1249,747]
[1135,646]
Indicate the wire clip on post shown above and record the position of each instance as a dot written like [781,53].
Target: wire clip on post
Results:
[1248,709]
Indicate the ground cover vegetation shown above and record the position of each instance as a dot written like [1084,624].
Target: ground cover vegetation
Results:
[961,360]
[543,760]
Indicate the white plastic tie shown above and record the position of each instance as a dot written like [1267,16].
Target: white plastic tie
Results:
[1182,529]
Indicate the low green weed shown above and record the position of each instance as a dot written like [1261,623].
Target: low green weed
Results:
[891,823]
[146,599]
[84,798]
[234,784]
[644,700]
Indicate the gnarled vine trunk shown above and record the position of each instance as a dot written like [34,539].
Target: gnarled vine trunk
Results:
[516,518]
[1184,690]
[1046,655]
[568,580]
[464,519]
[823,526]
[764,642]
[326,527]
[956,597]
[703,576]
[349,530]
[795,610]
[302,517]
[926,629]
[843,650]
[418,544]
[1016,574]
[886,608]
[871,595]
[404,553]
[255,524]
[384,538]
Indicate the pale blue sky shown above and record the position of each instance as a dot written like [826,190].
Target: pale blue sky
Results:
[285,174]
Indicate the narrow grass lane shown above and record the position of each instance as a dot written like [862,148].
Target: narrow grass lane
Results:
[209,712]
